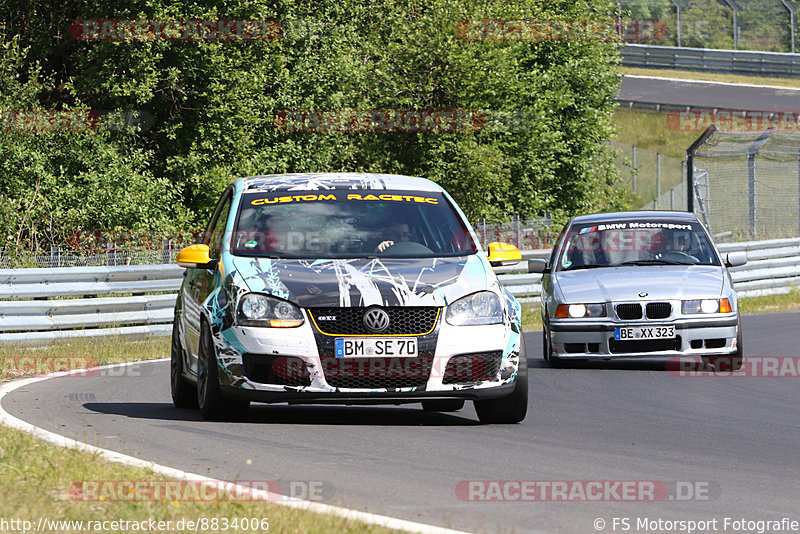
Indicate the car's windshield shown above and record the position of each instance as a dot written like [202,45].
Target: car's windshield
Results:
[349,224]
[635,242]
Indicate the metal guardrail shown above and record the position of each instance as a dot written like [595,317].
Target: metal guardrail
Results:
[83,312]
[28,314]
[710,60]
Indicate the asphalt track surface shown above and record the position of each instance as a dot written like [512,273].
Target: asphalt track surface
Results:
[708,95]
[736,439]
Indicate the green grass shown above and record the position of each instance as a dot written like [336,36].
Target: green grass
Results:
[19,360]
[649,130]
[771,303]
[712,77]
[35,477]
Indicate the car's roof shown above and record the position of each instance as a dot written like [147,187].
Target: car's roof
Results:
[666,216]
[337,180]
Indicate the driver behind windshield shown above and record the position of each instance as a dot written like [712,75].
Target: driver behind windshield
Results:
[395,233]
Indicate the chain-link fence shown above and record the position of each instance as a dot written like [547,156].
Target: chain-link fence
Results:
[112,256]
[747,184]
[525,234]
[655,178]
[765,25]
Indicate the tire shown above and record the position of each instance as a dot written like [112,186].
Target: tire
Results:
[213,405]
[513,407]
[547,352]
[442,405]
[184,394]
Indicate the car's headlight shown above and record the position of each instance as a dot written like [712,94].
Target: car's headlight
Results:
[706,306]
[479,308]
[578,311]
[261,310]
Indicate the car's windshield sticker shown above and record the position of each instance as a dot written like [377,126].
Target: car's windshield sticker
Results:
[633,224]
[295,198]
[351,196]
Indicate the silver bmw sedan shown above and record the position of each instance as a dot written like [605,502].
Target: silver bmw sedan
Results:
[640,284]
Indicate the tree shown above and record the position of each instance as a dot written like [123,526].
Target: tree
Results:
[541,108]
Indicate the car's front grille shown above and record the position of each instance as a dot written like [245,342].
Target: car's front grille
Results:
[629,311]
[403,320]
[643,345]
[378,373]
[658,310]
[275,370]
[475,367]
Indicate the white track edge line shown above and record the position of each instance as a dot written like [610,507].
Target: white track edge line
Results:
[731,84]
[63,441]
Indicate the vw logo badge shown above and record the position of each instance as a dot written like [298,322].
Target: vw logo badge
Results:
[643,294]
[376,320]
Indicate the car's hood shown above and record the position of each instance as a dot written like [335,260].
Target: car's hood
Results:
[364,282]
[626,283]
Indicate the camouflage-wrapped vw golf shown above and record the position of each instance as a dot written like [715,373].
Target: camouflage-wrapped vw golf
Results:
[345,288]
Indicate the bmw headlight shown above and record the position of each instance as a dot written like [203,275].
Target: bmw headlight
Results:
[706,306]
[479,308]
[579,311]
[262,310]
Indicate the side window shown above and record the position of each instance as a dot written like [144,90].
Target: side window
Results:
[216,229]
[556,243]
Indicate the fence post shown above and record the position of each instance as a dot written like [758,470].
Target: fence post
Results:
[751,192]
[633,168]
[658,177]
[165,248]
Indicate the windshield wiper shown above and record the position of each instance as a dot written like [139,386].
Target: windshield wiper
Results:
[576,267]
[656,262]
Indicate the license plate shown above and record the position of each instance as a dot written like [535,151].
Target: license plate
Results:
[644,332]
[370,347]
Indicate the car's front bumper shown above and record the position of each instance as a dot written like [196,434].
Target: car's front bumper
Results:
[296,365]
[706,336]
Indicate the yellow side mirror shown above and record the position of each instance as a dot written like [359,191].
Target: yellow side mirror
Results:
[194,257]
[503,254]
